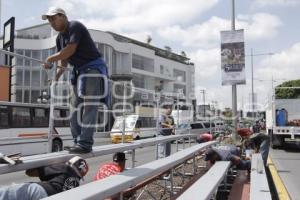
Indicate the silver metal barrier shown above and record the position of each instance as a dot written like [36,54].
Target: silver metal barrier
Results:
[115,184]
[35,161]
[206,187]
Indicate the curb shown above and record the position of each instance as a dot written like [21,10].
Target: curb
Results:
[279,185]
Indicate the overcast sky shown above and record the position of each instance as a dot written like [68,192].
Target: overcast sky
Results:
[193,26]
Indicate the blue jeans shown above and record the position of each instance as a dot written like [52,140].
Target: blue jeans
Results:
[84,117]
[164,149]
[244,165]
[24,191]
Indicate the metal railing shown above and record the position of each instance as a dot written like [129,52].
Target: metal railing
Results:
[116,184]
[206,187]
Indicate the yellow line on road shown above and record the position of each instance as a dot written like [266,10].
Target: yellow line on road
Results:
[280,187]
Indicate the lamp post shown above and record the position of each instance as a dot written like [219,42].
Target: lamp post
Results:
[252,72]
[203,93]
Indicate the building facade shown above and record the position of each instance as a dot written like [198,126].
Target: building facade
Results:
[151,68]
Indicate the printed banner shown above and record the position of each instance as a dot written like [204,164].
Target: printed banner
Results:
[233,57]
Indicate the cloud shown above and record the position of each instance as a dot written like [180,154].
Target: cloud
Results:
[134,15]
[207,35]
[262,3]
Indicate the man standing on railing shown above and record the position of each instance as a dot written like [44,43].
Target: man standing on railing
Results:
[76,47]
[166,127]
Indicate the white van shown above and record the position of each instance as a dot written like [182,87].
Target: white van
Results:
[195,128]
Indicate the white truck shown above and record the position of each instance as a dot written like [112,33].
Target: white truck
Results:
[283,121]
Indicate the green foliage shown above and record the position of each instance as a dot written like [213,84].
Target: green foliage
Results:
[290,93]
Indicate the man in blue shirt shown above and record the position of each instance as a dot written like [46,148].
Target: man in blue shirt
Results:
[76,47]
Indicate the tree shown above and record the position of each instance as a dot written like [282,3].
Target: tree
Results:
[288,93]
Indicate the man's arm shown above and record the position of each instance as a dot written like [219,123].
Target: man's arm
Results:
[61,69]
[64,54]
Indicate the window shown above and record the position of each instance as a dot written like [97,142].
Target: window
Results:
[142,63]
[27,78]
[40,118]
[138,80]
[26,96]
[161,69]
[34,95]
[35,80]
[4,117]
[179,89]
[19,96]
[27,62]
[19,60]
[179,75]
[20,117]
[19,77]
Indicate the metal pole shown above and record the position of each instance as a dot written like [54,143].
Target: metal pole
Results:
[124,122]
[252,87]
[51,113]
[157,96]
[234,89]
[204,102]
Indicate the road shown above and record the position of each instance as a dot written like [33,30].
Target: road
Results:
[287,162]
[143,156]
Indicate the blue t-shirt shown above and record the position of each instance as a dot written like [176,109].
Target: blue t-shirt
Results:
[227,153]
[86,50]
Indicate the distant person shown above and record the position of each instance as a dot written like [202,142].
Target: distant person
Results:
[260,143]
[256,127]
[166,128]
[76,47]
[115,167]
[227,153]
[54,179]
[205,137]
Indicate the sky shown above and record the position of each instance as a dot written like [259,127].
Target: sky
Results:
[271,27]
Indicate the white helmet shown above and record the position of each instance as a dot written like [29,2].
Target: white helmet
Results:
[79,165]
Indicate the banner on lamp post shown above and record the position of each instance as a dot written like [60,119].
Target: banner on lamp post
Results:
[233,57]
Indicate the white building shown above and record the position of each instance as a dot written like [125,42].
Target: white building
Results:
[150,67]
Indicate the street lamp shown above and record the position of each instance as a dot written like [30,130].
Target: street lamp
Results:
[203,92]
[252,87]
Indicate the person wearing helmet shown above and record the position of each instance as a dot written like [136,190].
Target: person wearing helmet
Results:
[115,167]
[53,179]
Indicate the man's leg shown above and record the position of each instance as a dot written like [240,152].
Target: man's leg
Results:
[24,191]
[161,149]
[74,125]
[90,111]
[168,149]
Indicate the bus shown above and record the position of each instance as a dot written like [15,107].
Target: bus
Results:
[24,128]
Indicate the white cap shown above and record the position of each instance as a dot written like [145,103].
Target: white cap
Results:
[53,11]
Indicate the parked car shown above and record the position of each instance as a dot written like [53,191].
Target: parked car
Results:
[194,128]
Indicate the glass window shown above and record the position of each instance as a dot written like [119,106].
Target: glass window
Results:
[34,96]
[26,96]
[142,63]
[19,78]
[19,60]
[179,89]
[19,96]
[196,126]
[44,78]
[138,80]
[45,54]
[179,75]
[161,69]
[35,78]
[20,117]
[40,118]
[27,78]
[4,117]
[27,62]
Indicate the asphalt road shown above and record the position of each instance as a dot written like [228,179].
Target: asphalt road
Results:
[287,163]
[143,156]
